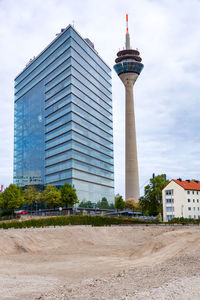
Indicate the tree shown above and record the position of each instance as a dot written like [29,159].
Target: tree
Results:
[12,198]
[86,204]
[68,195]
[130,203]
[137,206]
[151,202]
[52,196]
[1,201]
[103,204]
[119,202]
[31,195]
[111,206]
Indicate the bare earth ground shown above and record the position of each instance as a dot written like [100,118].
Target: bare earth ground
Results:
[83,262]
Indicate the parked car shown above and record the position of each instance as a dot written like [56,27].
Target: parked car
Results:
[21,212]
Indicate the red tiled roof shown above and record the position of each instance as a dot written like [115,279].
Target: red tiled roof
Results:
[192,185]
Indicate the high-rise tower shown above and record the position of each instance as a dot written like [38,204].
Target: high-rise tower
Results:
[63,119]
[128,67]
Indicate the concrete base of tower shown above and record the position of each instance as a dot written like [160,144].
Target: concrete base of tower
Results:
[131,161]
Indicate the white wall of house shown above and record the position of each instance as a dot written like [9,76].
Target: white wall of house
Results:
[178,202]
[192,204]
[172,207]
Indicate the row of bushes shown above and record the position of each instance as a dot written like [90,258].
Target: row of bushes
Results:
[88,220]
[74,220]
[184,221]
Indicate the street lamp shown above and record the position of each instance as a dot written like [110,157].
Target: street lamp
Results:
[60,209]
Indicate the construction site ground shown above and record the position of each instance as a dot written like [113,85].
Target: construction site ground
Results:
[83,262]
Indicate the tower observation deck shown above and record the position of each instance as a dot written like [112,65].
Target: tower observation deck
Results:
[128,67]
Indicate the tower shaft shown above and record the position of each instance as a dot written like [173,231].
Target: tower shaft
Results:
[131,162]
[128,67]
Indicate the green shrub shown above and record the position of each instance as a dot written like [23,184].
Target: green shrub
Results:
[88,220]
[74,220]
[184,221]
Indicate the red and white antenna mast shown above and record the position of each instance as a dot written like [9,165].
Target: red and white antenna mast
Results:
[127,34]
[126,23]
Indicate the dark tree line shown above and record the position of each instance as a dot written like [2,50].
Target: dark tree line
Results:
[14,197]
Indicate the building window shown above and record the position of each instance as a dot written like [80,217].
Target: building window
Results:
[188,192]
[188,200]
[170,200]
[169,217]
[197,192]
[193,192]
[189,208]
[169,192]
[171,208]
[193,208]
[197,208]
[193,200]
[197,200]
[194,217]
[190,216]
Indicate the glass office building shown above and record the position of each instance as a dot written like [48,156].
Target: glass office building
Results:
[63,119]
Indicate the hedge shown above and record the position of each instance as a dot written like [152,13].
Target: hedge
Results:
[184,221]
[74,220]
[88,220]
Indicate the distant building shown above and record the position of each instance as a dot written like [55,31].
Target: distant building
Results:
[63,119]
[181,198]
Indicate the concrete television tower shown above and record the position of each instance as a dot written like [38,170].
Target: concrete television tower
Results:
[128,67]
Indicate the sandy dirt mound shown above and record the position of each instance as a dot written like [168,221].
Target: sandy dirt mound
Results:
[84,262]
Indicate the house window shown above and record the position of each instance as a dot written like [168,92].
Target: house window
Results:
[189,208]
[171,208]
[197,192]
[169,192]
[188,192]
[197,200]
[193,192]
[193,200]
[169,200]
[169,217]
[188,200]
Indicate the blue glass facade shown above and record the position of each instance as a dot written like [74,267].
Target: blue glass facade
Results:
[63,119]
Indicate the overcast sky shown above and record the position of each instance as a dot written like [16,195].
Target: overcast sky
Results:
[167,93]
